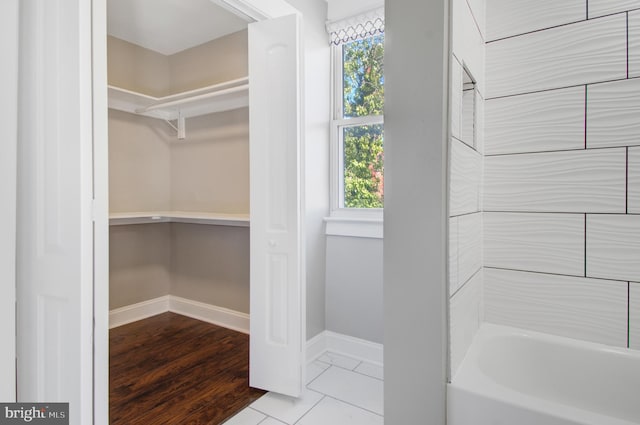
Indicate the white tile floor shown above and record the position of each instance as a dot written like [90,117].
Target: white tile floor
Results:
[340,391]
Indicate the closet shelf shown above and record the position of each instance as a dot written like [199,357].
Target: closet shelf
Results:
[218,219]
[225,96]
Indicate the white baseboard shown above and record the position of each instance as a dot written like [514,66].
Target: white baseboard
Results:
[318,345]
[220,316]
[134,312]
[206,312]
[356,348]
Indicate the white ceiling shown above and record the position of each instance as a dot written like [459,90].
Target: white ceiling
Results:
[169,26]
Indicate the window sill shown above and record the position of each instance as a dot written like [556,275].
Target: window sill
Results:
[354,227]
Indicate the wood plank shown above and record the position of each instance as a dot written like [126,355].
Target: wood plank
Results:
[170,369]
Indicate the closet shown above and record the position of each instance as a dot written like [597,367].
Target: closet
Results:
[183,173]
[179,173]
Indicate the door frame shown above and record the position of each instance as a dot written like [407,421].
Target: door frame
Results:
[256,10]
[9,16]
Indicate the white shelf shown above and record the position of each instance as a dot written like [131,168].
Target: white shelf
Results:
[217,219]
[225,96]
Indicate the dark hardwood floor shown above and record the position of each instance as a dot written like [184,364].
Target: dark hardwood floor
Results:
[173,370]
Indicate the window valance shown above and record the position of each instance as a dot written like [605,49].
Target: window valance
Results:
[356,27]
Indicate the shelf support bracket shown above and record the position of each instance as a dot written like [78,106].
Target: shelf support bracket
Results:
[180,126]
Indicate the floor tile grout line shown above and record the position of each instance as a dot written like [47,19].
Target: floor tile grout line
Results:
[356,406]
[353,370]
[319,375]
[312,407]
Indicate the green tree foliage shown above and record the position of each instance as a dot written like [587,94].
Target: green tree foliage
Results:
[363,89]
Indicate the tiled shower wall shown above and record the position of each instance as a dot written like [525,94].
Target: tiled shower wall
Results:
[561,185]
[466,147]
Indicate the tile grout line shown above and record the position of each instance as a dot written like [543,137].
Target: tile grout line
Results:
[350,370]
[464,214]
[508,37]
[356,406]
[585,244]
[585,115]
[554,274]
[555,212]
[597,148]
[312,407]
[319,375]
[612,80]
[626,182]
[466,282]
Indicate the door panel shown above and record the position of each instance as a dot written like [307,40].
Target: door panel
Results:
[277,268]
[8,135]
[55,227]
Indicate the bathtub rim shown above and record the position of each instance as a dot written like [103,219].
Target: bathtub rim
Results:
[471,379]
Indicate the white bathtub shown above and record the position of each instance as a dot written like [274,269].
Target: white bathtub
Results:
[515,377]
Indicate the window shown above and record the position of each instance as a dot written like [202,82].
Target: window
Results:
[358,127]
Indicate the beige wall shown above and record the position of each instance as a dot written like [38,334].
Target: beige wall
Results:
[142,70]
[151,170]
[210,264]
[139,259]
[210,169]
[139,163]
[219,60]
[138,69]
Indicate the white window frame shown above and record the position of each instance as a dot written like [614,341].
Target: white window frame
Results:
[359,222]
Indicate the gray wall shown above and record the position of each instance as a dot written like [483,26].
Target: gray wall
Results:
[415,215]
[354,287]
[139,259]
[210,264]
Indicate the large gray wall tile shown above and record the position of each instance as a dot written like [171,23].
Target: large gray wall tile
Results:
[634,315]
[478,10]
[542,242]
[613,114]
[545,121]
[506,18]
[585,52]
[575,307]
[469,246]
[613,246]
[467,43]
[456,97]
[466,176]
[468,118]
[573,181]
[634,181]
[607,7]
[453,255]
[465,318]
[480,122]
[634,44]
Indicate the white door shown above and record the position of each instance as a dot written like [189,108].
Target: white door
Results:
[277,269]
[55,226]
[8,135]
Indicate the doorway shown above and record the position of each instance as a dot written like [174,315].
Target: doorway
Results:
[63,251]
[179,190]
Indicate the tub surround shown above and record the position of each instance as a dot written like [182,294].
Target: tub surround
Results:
[465,161]
[561,193]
